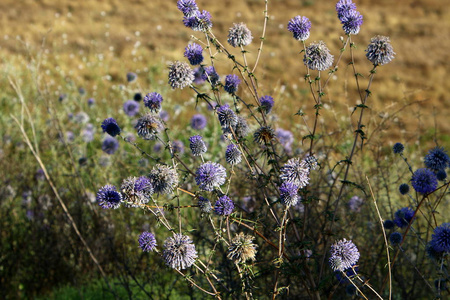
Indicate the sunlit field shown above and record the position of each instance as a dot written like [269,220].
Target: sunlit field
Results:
[292,175]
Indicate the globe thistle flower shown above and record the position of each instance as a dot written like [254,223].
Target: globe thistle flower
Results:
[300,27]
[241,128]
[286,138]
[110,145]
[81,91]
[164,115]
[131,77]
[193,52]
[108,197]
[424,181]
[295,171]
[355,203]
[110,126]
[289,194]
[233,155]
[226,116]
[318,57]
[90,101]
[144,187]
[211,75]
[239,35]
[199,21]
[147,241]
[81,117]
[198,122]
[61,97]
[210,175]
[136,190]
[224,206]
[164,179]
[344,254]
[204,204]
[178,147]
[351,22]
[70,137]
[311,161]
[264,134]
[153,102]
[232,82]
[403,217]
[242,248]
[398,148]
[199,75]
[148,126]
[131,108]
[179,252]
[197,145]
[380,51]
[388,224]
[432,253]
[441,175]
[187,7]
[395,238]
[437,159]
[344,7]
[137,97]
[266,103]
[403,188]
[440,240]
[180,75]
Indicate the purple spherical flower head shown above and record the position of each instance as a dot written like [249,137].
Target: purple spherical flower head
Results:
[164,179]
[351,22]
[388,224]
[395,238]
[440,240]
[233,155]
[164,115]
[148,126]
[90,101]
[147,241]
[300,27]
[441,175]
[343,7]
[266,103]
[198,122]
[295,171]
[210,175]
[286,138]
[227,117]
[144,186]
[137,97]
[289,194]
[110,126]
[424,181]
[153,101]
[179,252]
[109,197]
[437,159]
[131,77]
[239,35]
[211,75]
[131,108]
[317,57]
[110,145]
[199,21]
[197,145]
[355,203]
[199,75]
[180,75]
[398,148]
[403,188]
[232,82]
[380,51]
[193,52]
[204,204]
[224,206]
[178,147]
[344,254]
[403,217]
[187,7]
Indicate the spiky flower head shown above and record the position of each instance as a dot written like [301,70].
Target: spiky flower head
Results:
[263,135]
[197,145]
[180,75]
[136,190]
[289,194]
[344,7]
[233,155]
[178,146]
[198,21]
[108,197]
[398,148]
[110,126]
[210,175]
[147,241]
[437,159]
[153,101]
[440,240]
[380,51]
[194,53]
[163,178]
[131,108]
[148,126]
[351,22]
[355,203]
[144,187]
[395,238]
[204,204]
[424,181]
[403,217]
[344,254]
[187,7]
[388,224]
[226,116]
[211,75]
[286,138]
[239,35]
[179,252]
[110,145]
[318,57]
[241,128]
[403,188]
[300,27]
[131,77]
[242,248]
[295,171]
[433,253]
[224,206]
[441,175]
[266,103]
[232,82]
[198,122]
[311,161]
